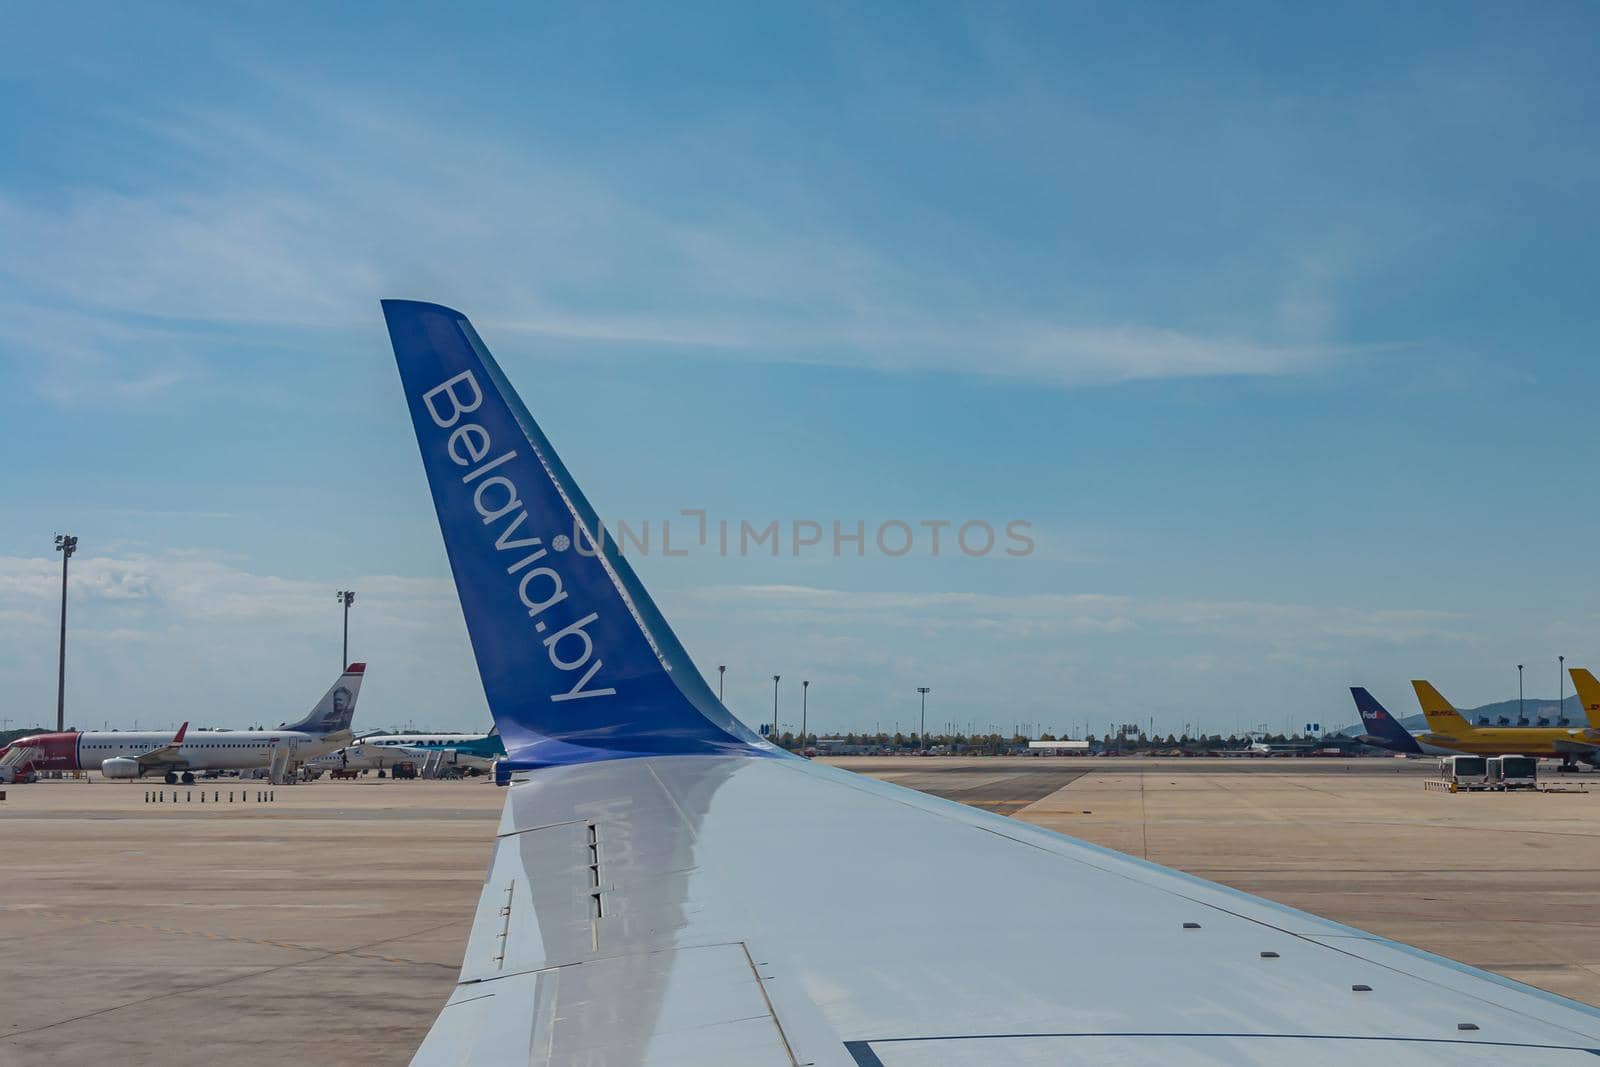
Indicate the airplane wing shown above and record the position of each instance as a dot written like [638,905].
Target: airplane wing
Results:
[668,889]
[725,910]
[1574,747]
[165,756]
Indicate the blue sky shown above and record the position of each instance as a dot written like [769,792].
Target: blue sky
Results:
[1276,325]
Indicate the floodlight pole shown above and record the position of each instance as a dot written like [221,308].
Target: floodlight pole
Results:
[720,672]
[1519,693]
[66,544]
[1561,686]
[346,597]
[922,734]
[805,688]
[775,709]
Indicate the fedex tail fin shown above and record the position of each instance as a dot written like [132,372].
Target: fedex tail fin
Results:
[1382,729]
[337,707]
[1588,689]
[1441,715]
[576,661]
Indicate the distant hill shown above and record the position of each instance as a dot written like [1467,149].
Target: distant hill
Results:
[1506,709]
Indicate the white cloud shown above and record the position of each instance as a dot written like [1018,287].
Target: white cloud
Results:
[307,221]
[188,635]
[191,635]
[1280,624]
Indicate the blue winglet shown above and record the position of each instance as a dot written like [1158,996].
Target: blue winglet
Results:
[1382,728]
[576,661]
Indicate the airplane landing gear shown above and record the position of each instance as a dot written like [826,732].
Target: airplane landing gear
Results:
[172,778]
[380,773]
[188,778]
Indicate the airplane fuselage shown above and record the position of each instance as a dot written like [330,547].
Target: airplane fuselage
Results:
[1529,741]
[219,750]
[1429,748]
[419,740]
[367,757]
[381,752]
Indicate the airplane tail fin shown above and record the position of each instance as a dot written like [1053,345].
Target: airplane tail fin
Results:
[576,661]
[1441,715]
[337,707]
[1588,690]
[1382,728]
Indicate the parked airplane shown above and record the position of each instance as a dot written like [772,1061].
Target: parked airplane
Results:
[422,740]
[129,754]
[472,753]
[1385,731]
[668,888]
[1448,729]
[363,756]
[1260,746]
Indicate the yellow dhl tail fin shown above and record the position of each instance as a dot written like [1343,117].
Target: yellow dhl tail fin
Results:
[1441,716]
[1588,690]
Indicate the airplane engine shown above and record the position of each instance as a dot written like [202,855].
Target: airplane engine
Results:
[120,767]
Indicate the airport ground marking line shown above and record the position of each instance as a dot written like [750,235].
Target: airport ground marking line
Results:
[164,996]
[236,939]
[1475,828]
[226,981]
[354,951]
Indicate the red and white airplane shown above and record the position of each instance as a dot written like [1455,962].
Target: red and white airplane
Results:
[132,754]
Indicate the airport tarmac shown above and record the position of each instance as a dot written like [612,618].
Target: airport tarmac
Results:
[331,923]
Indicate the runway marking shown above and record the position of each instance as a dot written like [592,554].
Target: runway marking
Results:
[324,954]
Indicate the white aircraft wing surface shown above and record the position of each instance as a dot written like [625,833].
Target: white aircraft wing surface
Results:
[728,910]
[165,755]
[667,889]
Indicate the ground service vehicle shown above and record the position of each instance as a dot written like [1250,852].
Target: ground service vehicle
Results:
[1512,772]
[1465,772]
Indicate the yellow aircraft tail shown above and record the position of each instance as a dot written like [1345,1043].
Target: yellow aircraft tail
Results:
[1588,690]
[1441,716]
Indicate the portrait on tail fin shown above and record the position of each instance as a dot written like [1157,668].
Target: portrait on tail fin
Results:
[334,712]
